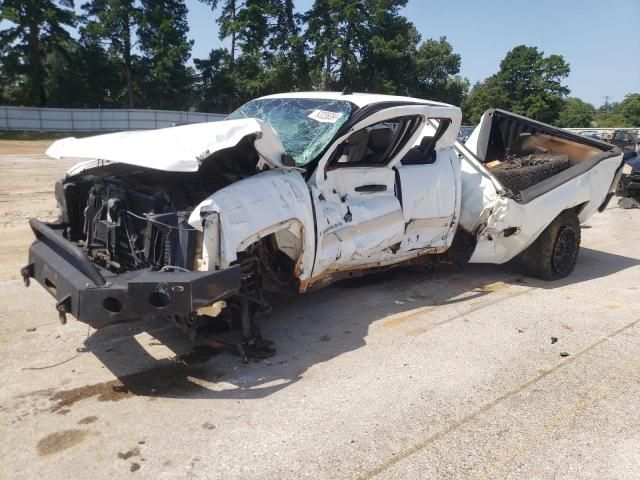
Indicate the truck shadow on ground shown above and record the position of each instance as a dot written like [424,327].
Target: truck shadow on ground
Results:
[314,328]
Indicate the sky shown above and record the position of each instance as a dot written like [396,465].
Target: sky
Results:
[600,39]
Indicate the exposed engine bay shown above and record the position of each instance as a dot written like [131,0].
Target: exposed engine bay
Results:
[127,217]
[127,227]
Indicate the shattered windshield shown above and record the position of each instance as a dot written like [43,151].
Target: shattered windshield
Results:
[305,126]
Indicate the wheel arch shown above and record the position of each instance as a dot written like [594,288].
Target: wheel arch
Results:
[289,237]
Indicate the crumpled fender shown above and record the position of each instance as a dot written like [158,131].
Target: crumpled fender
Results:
[259,206]
[513,226]
[173,149]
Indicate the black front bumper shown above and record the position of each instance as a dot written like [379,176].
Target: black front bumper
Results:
[98,297]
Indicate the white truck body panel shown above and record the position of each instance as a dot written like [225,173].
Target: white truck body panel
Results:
[259,206]
[530,219]
[179,221]
[327,223]
[431,208]
[505,227]
[173,149]
[361,229]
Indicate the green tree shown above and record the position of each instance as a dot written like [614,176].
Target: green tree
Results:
[163,42]
[630,108]
[436,69]
[534,82]
[64,82]
[290,68]
[484,95]
[364,45]
[268,33]
[267,52]
[612,120]
[218,64]
[227,21]
[113,22]
[575,114]
[389,59]
[103,81]
[528,83]
[216,84]
[368,45]
[14,73]
[322,35]
[37,28]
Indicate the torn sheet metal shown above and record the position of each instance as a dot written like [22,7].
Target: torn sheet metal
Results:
[173,149]
[259,206]
[480,191]
[356,226]
[511,226]
[430,201]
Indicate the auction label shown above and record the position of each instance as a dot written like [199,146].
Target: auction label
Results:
[325,116]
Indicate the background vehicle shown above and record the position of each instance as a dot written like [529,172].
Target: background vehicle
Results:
[465,133]
[629,185]
[296,191]
[625,140]
[589,134]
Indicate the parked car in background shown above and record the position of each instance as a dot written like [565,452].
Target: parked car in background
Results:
[590,134]
[629,185]
[464,133]
[625,140]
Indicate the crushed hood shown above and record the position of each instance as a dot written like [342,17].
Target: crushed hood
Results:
[173,149]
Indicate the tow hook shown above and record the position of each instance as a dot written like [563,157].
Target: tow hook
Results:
[27,273]
[63,307]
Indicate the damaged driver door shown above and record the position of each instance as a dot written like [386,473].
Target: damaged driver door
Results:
[359,215]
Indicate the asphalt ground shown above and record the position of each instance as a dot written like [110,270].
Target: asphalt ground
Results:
[473,373]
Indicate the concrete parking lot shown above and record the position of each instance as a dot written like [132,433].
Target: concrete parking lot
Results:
[473,373]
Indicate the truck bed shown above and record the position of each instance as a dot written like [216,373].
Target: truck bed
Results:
[505,219]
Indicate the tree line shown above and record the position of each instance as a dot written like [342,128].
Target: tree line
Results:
[135,54]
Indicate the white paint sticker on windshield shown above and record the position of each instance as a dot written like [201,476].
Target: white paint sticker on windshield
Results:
[325,116]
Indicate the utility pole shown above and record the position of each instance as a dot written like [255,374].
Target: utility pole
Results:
[606,103]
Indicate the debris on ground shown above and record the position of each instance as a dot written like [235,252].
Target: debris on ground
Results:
[554,340]
[627,203]
[564,354]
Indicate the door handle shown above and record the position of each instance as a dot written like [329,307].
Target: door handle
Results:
[371,188]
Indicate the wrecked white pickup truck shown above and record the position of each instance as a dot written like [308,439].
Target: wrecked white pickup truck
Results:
[298,190]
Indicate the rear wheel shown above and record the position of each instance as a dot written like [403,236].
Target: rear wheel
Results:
[554,253]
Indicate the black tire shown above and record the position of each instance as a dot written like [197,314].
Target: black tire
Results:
[520,178]
[555,252]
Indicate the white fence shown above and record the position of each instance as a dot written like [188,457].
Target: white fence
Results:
[78,119]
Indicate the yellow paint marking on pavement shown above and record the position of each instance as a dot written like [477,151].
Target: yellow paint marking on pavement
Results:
[419,331]
[493,287]
[403,317]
